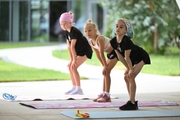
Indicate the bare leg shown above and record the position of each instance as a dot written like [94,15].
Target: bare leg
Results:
[131,87]
[72,80]
[71,75]
[79,61]
[103,84]
[107,81]
[110,65]
[137,68]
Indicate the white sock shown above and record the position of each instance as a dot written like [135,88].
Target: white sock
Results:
[74,87]
[78,87]
[107,93]
[103,92]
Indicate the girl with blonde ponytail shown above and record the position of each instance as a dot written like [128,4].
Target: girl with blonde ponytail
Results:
[100,44]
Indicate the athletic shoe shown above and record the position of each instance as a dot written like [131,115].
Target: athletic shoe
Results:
[99,96]
[129,106]
[136,103]
[104,98]
[68,92]
[77,92]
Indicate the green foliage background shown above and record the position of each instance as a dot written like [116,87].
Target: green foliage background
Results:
[150,19]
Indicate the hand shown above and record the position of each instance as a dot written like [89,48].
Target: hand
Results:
[69,64]
[131,73]
[73,63]
[126,72]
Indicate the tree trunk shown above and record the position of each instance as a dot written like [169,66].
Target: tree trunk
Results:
[155,40]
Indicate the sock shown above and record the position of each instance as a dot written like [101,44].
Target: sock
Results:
[103,92]
[107,93]
[73,88]
[78,87]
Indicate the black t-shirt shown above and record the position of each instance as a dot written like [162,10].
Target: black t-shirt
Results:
[137,53]
[82,46]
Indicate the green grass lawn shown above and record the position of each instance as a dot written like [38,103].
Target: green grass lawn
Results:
[160,64]
[12,72]
[5,45]
[9,72]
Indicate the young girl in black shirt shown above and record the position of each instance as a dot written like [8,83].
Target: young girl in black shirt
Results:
[132,56]
[78,48]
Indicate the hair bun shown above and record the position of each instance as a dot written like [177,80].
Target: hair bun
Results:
[89,21]
[70,12]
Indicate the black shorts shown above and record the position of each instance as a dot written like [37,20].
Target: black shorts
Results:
[139,56]
[88,54]
[112,55]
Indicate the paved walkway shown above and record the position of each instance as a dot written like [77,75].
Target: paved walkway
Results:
[149,87]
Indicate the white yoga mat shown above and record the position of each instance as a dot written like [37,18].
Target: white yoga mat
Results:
[125,114]
[8,97]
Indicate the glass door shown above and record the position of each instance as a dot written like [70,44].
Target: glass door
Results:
[39,20]
[24,21]
[4,21]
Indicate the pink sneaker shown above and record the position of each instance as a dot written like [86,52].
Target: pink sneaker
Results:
[104,98]
[99,96]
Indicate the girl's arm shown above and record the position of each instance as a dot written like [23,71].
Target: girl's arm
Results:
[101,41]
[97,52]
[121,58]
[72,47]
[128,60]
[98,55]
[69,49]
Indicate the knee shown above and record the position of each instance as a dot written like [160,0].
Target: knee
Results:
[70,68]
[126,78]
[108,71]
[73,68]
[131,79]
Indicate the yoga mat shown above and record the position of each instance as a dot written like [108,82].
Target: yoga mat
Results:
[114,104]
[125,114]
[9,97]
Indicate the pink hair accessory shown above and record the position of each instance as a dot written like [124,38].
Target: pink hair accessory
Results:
[66,17]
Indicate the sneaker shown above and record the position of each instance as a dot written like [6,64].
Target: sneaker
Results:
[104,98]
[77,92]
[68,92]
[99,96]
[136,103]
[129,106]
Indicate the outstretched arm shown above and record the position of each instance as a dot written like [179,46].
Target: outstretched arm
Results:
[128,60]
[121,58]
[101,41]
[98,55]
[69,49]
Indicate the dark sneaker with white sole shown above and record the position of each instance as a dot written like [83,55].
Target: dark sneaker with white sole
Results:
[129,106]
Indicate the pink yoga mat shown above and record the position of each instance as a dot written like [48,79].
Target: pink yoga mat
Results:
[114,104]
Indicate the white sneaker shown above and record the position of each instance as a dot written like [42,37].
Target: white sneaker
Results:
[77,92]
[68,92]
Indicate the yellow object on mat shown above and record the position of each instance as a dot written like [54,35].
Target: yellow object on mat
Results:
[80,114]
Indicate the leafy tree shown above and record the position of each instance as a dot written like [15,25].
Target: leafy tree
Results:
[155,22]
